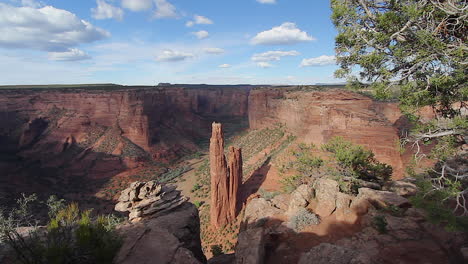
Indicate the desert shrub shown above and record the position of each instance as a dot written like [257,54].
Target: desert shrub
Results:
[360,162]
[302,219]
[436,202]
[216,250]
[195,187]
[290,183]
[198,204]
[266,194]
[173,174]
[71,236]
[380,223]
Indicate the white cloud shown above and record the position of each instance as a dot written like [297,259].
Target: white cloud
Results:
[202,34]
[264,64]
[319,61]
[137,5]
[213,50]
[285,34]
[70,55]
[267,1]
[273,55]
[199,20]
[164,9]
[170,55]
[105,10]
[32,3]
[46,28]
[224,66]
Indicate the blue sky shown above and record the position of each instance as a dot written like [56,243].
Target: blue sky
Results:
[178,41]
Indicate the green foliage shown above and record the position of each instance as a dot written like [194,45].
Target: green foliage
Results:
[380,223]
[445,148]
[302,219]
[436,203]
[267,195]
[173,174]
[216,250]
[198,204]
[360,161]
[195,187]
[289,184]
[54,205]
[71,236]
[416,47]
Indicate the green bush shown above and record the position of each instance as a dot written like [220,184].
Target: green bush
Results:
[436,203]
[359,161]
[266,194]
[71,236]
[380,223]
[216,250]
[302,219]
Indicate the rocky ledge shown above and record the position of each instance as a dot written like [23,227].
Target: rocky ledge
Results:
[164,227]
[149,199]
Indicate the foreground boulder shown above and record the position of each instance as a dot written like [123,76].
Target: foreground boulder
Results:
[328,254]
[165,228]
[173,238]
[150,198]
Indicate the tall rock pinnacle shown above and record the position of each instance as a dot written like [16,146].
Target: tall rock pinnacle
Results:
[225,179]
[235,178]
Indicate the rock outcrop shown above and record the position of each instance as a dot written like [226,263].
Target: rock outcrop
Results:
[149,199]
[173,238]
[165,227]
[225,179]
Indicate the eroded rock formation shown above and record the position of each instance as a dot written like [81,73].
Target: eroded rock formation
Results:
[373,226]
[149,199]
[225,179]
[168,230]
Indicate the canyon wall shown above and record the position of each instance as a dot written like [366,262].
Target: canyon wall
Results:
[55,140]
[100,132]
[160,121]
[317,116]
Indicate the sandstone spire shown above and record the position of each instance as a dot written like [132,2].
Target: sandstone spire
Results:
[225,179]
[235,178]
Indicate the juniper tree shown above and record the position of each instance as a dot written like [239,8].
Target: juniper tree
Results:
[418,47]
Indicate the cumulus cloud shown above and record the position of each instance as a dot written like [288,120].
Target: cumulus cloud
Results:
[267,1]
[32,3]
[105,10]
[202,34]
[319,61]
[263,64]
[46,29]
[274,55]
[164,9]
[70,55]
[285,34]
[224,66]
[170,55]
[137,5]
[213,50]
[199,20]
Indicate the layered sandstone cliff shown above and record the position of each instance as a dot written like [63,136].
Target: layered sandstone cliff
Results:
[225,179]
[317,116]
